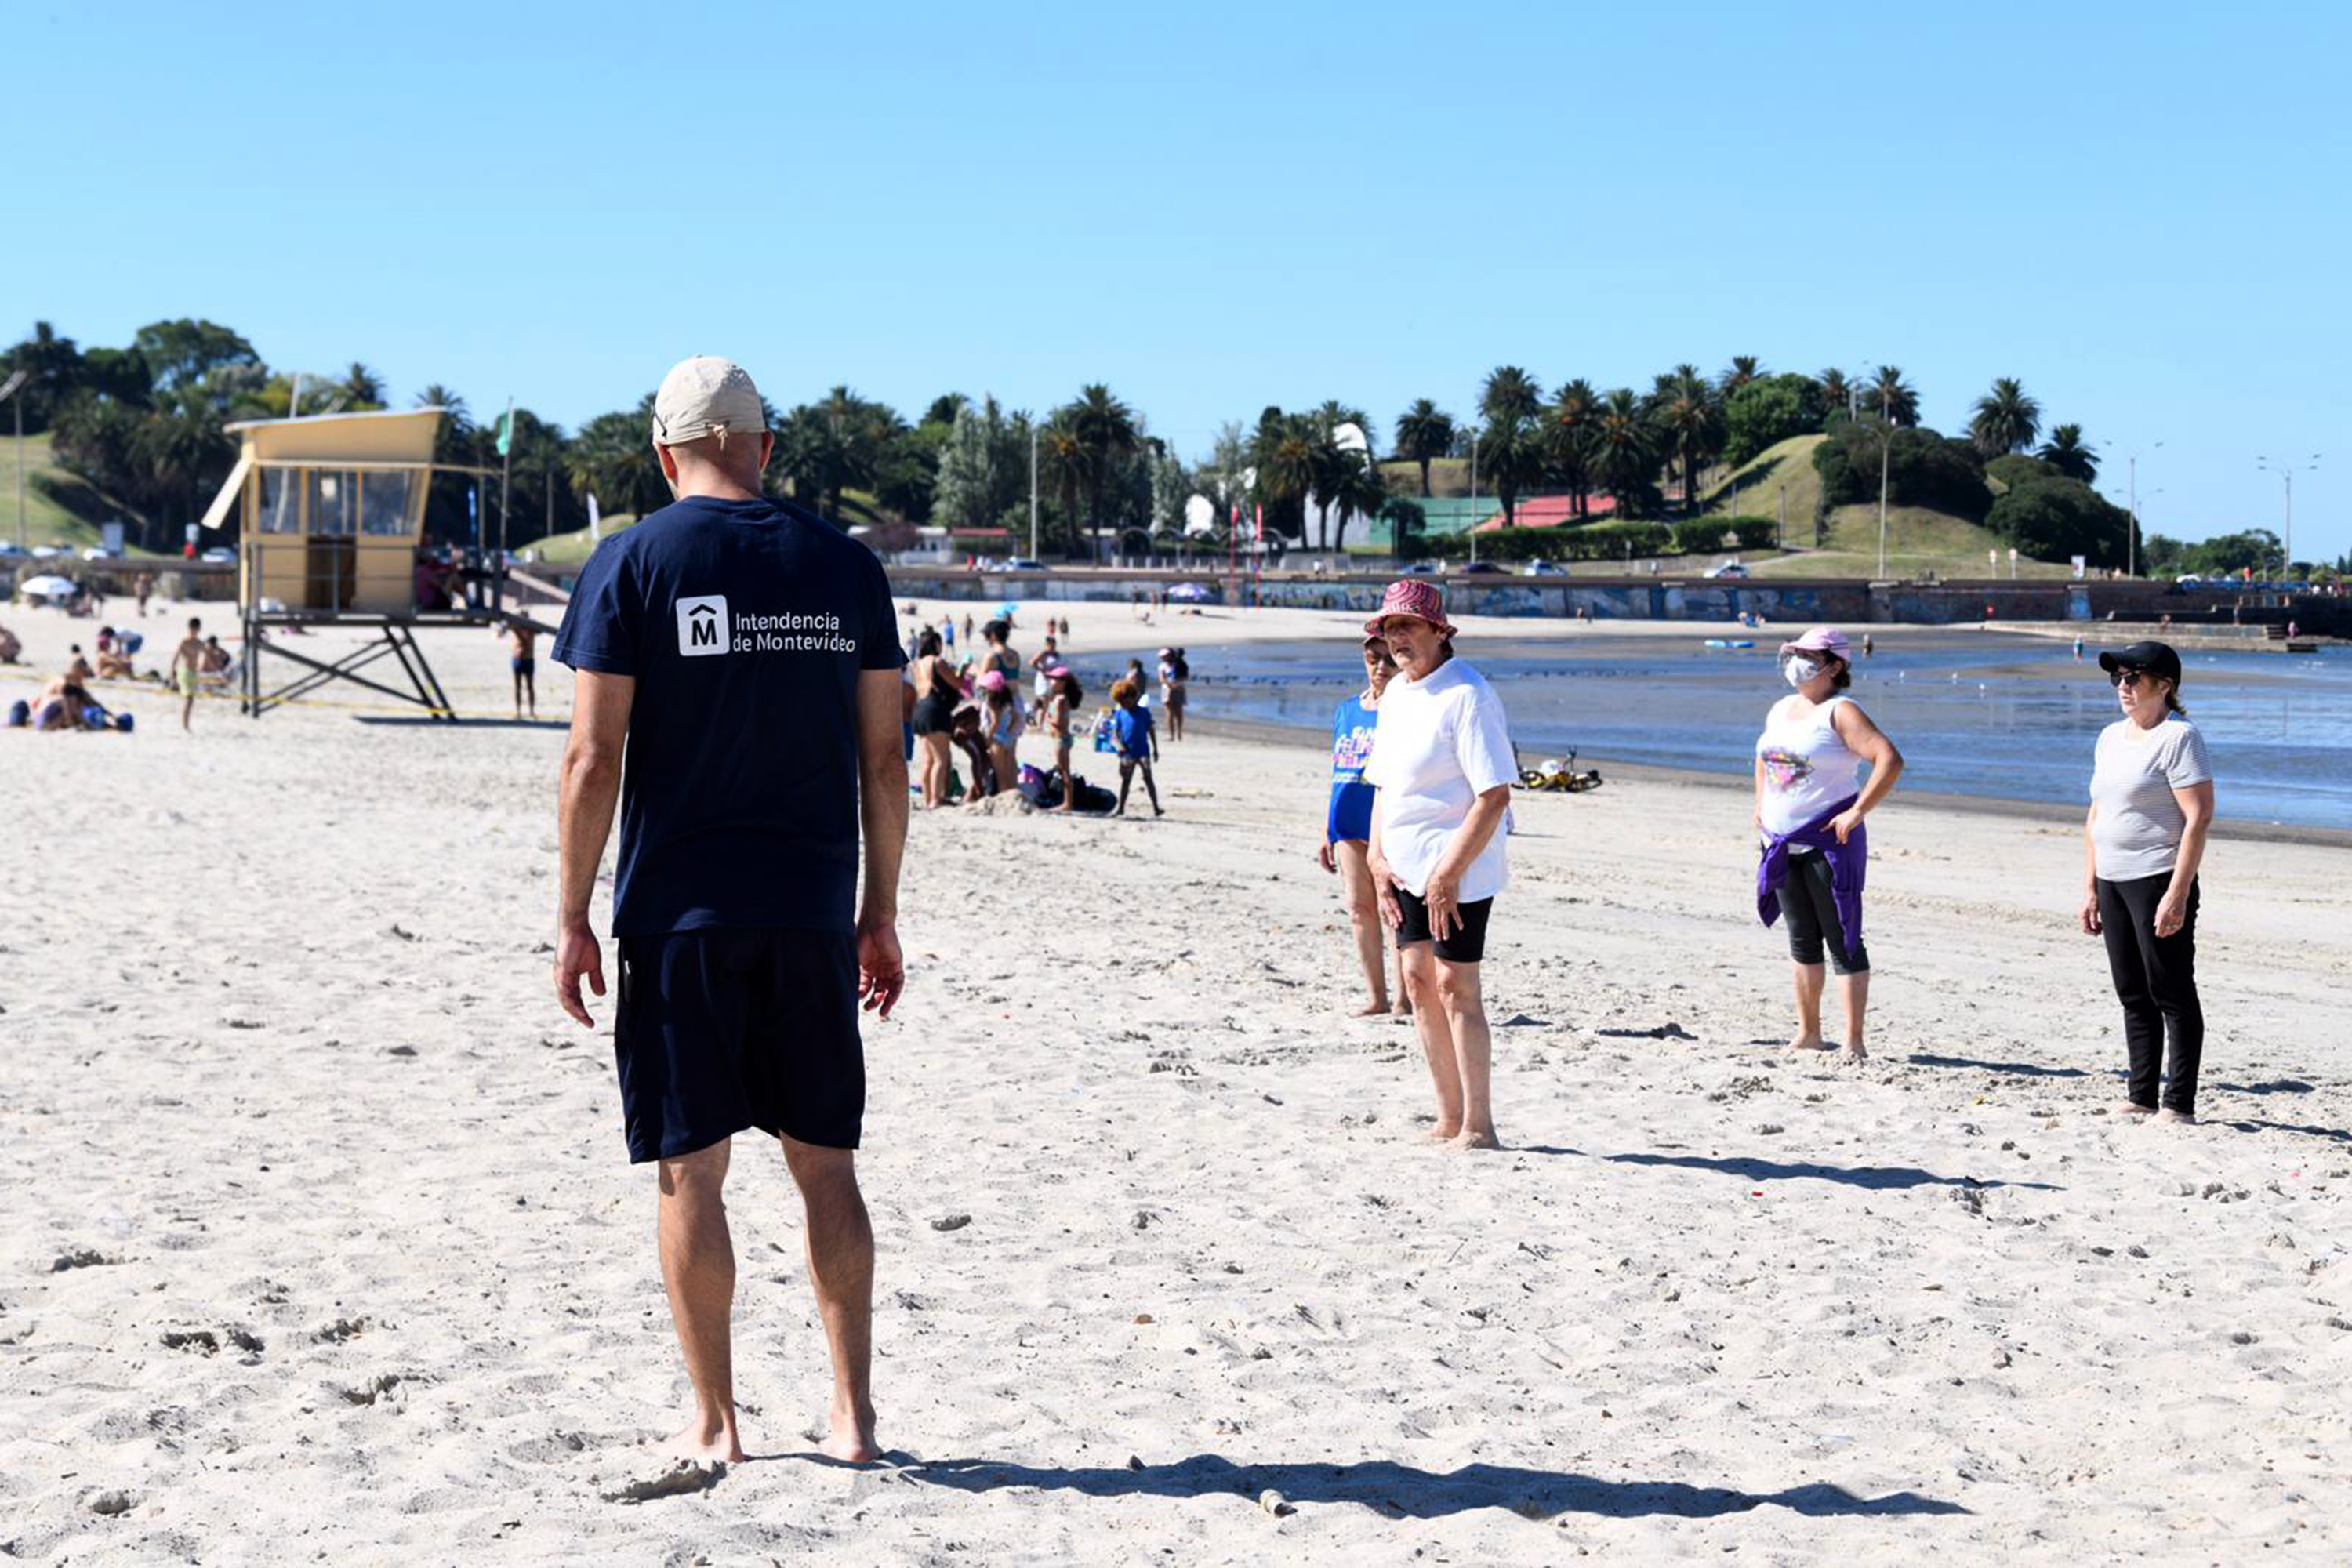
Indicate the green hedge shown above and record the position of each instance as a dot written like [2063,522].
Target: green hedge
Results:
[1594,541]
[1705,536]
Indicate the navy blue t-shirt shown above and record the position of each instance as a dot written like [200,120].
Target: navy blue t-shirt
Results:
[746,625]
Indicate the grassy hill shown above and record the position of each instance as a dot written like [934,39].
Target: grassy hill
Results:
[1760,485]
[1918,540]
[60,507]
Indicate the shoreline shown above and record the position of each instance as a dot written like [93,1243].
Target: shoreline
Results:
[1261,732]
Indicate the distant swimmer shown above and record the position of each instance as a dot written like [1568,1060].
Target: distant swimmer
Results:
[742,653]
[1812,851]
[1443,766]
[522,665]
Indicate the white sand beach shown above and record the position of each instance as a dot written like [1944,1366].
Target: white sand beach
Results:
[321,1242]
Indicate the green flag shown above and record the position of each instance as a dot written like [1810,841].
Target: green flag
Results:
[506,433]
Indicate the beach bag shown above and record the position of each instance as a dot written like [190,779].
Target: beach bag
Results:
[122,722]
[1094,798]
[20,713]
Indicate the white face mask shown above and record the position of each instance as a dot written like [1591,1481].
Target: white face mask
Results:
[1798,669]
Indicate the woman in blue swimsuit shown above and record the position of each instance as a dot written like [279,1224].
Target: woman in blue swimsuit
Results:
[1347,825]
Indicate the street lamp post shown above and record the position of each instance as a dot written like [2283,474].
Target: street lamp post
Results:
[1473,498]
[2287,471]
[2131,536]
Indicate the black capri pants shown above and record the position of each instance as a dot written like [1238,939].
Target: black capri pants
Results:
[1809,909]
[2156,980]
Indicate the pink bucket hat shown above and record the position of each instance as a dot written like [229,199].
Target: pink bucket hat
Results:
[1820,639]
[993,680]
[1420,600]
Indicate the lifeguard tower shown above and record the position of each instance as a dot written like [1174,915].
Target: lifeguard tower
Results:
[333,511]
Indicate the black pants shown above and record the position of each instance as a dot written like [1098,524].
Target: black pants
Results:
[2156,980]
[1810,908]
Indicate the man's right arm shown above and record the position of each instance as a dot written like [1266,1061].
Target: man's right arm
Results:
[882,814]
[590,788]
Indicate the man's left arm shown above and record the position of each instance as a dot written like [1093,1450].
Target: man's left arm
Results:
[882,814]
[590,788]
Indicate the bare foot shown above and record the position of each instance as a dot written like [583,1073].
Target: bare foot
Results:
[1809,1043]
[1475,1138]
[2177,1118]
[1854,1052]
[2134,1108]
[1378,1009]
[852,1437]
[697,1441]
[1441,1134]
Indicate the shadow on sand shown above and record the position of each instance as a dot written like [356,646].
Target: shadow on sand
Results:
[2022,1069]
[1404,1493]
[1872,1178]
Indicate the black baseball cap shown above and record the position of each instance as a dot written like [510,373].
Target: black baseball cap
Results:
[2155,657]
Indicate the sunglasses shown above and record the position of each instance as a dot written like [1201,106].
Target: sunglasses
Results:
[2127,676]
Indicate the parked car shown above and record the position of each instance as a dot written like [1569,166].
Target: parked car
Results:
[10,547]
[98,553]
[1542,568]
[1022,563]
[1421,569]
[1728,569]
[218,555]
[47,552]
[1486,568]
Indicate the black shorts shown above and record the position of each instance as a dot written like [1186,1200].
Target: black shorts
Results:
[718,1031]
[1467,941]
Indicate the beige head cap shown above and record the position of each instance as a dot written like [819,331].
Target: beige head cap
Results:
[705,396]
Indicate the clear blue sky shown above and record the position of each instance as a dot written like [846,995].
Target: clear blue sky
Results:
[2140,211]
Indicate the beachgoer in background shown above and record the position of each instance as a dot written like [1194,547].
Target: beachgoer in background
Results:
[1348,827]
[10,645]
[114,661]
[965,733]
[967,631]
[996,637]
[1173,675]
[746,943]
[1046,658]
[1135,672]
[1869,646]
[2078,648]
[1063,695]
[937,691]
[947,630]
[188,667]
[522,665]
[1443,768]
[1813,850]
[2151,804]
[218,664]
[78,668]
[144,588]
[1000,710]
[1131,737]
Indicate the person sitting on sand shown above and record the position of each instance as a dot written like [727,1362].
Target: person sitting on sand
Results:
[1813,850]
[1443,768]
[78,668]
[1131,737]
[10,645]
[113,663]
[1348,827]
[754,780]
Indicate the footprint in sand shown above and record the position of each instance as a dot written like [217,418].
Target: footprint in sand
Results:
[680,1478]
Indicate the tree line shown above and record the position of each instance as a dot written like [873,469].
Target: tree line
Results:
[142,422]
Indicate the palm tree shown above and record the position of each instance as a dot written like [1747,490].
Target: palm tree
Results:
[1892,398]
[1622,452]
[2068,453]
[1423,432]
[362,384]
[1289,457]
[1745,368]
[1064,463]
[178,448]
[1508,393]
[455,414]
[1837,392]
[2006,420]
[1106,428]
[1692,423]
[1352,488]
[1512,453]
[1568,424]
[613,460]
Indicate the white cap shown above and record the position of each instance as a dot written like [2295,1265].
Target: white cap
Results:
[705,396]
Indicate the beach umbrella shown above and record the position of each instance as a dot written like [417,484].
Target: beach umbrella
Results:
[1189,594]
[49,585]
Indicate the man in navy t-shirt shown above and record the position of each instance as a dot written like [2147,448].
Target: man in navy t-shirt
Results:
[737,690]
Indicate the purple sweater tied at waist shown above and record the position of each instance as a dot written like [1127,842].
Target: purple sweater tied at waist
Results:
[1848,861]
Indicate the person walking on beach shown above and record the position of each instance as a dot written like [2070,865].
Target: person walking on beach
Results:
[742,653]
[1174,676]
[188,667]
[937,691]
[1132,739]
[1348,827]
[1812,851]
[523,665]
[2151,804]
[1443,770]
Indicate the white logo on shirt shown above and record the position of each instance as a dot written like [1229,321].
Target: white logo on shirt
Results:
[703,625]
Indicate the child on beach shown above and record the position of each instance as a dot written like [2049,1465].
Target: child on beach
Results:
[1132,738]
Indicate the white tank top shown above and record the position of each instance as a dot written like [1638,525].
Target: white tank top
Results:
[1807,767]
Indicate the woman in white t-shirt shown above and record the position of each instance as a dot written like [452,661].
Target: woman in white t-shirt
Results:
[1441,764]
[1813,852]
[2151,802]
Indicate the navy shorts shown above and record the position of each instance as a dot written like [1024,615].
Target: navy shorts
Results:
[1465,944]
[720,1031]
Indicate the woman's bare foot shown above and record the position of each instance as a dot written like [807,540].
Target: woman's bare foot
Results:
[1475,1138]
[1441,1134]
[1854,1052]
[1809,1043]
[696,1440]
[2177,1118]
[1378,1009]
[852,1437]
[2134,1108]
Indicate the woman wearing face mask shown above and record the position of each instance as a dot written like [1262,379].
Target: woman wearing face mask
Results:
[1348,825]
[2151,803]
[1810,803]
